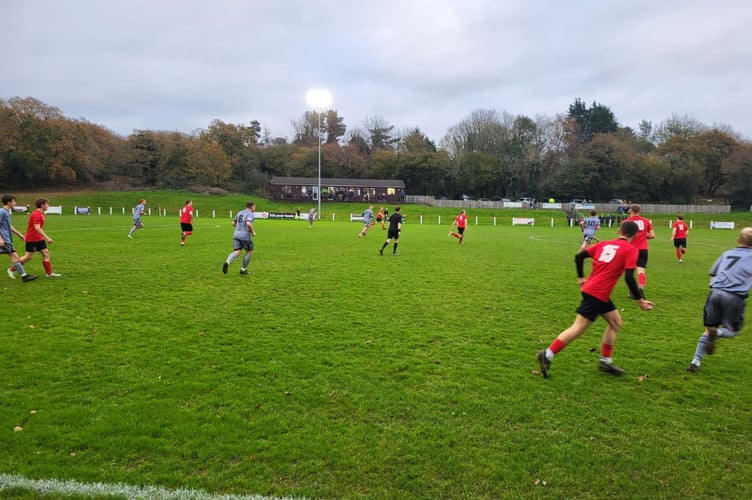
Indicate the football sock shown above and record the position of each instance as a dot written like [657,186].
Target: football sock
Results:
[727,332]
[231,257]
[556,347]
[395,248]
[18,267]
[641,280]
[700,351]
[246,260]
[607,350]
[47,266]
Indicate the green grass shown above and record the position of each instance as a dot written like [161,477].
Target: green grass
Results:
[332,372]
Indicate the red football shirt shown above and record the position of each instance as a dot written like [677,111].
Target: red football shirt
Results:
[610,260]
[185,214]
[461,220]
[36,217]
[681,229]
[640,240]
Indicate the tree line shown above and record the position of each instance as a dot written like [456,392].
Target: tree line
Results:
[583,153]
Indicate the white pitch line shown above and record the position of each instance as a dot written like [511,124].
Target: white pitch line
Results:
[70,487]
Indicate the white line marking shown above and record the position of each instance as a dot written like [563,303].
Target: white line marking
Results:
[70,487]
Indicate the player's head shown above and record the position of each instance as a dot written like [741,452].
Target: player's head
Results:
[462,211]
[593,213]
[680,216]
[7,198]
[250,205]
[39,202]
[628,229]
[397,208]
[634,208]
[745,237]
[188,202]
[142,201]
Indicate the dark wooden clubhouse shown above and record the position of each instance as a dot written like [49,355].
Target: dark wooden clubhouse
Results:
[306,188]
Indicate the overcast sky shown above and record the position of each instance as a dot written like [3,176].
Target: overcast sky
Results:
[179,64]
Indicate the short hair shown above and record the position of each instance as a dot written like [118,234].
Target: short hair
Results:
[7,198]
[397,208]
[680,216]
[628,228]
[593,213]
[40,201]
[250,204]
[635,209]
[142,200]
[187,202]
[745,237]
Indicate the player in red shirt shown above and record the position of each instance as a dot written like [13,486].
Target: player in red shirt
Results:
[611,259]
[36,239]
[186,221]
[461,223]
[679,232]
[640,241]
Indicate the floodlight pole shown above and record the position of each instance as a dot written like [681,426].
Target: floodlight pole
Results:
[318,137]
[319,99]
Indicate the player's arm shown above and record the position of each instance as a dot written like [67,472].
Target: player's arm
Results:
[38,229]
[18,233]
[673,233]
[579,262]
[651,234]
[249,225]
[635,291]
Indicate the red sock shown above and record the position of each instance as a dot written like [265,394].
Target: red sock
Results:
[556,346]
[678,254]
[47,266]
[607,350]
[188,233]
[641,279]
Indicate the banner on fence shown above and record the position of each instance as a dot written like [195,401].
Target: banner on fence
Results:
[523,221]
[82,211]
[721,225]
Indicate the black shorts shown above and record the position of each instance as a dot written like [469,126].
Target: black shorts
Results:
[460,230]
[393,233]
[591,308]
[680,242]
[36,246]
[186,226]
[7,248]
[724,308]
[642,258]
[379,219]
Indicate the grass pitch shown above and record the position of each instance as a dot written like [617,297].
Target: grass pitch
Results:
[333,372]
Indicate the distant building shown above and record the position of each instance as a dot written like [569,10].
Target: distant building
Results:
[367,190]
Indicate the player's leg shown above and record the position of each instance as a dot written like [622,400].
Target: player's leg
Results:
[712,317]
[578,327]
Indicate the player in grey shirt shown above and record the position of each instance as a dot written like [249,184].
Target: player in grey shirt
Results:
[242,238]
[731,281]
[367,219]
[6,239]
[589,226]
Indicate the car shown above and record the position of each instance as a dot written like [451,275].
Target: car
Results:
[484,199]
[577,201]
[616,201]
[525,200]
[465,197]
